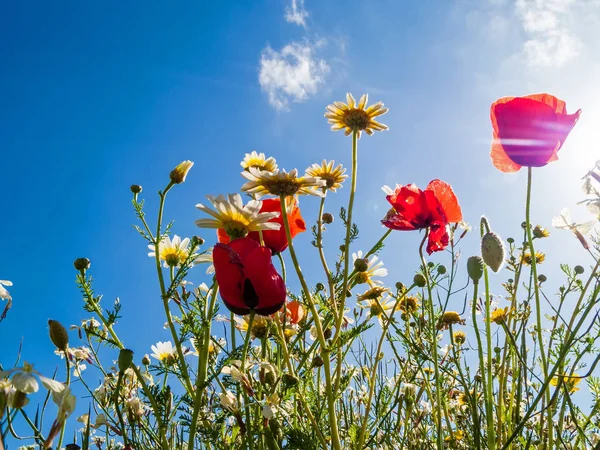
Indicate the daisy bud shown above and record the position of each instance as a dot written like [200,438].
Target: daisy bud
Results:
[320,286]
[400,287]
[441,270]
[361,264]
[492,251]
[58,335]
[579,270]
[542,278]
[420,280]
[72,447]
[125,359]
[179,173]
[327,333]
[135,188]
[327,218]
[475,268]
[198,241]
[146,360]
[81,264]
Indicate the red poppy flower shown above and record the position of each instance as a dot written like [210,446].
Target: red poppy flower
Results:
[247,278]
[276,240]
[529,131]
[433,208]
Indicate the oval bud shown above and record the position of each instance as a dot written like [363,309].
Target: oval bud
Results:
[125,359]
[492,251]
[420,280]
[58,335]
[81,264]
[475,268]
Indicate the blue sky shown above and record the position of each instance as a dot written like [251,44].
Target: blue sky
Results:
[96,97]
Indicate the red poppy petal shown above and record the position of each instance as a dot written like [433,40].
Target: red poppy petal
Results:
[445,195]
[559,106]
[222,236]
[500,159]
[438,238]
[267,283]
[500,101]
[230,276]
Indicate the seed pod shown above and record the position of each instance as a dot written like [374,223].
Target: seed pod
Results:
[492,251]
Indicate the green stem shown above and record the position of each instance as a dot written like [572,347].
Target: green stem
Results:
[249,437]
[340,315]
[434,343]
[324,351]
[165,298]
[202,366]
[68,382]
[536,290]
[118,409]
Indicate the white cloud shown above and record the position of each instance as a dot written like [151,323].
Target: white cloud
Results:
[296,13]
[551,42]
[292,74]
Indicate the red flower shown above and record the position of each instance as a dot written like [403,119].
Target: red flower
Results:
[434,208]
[276,240]
[529,131]
[247,278]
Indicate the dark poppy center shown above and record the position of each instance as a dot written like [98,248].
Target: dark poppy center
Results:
[249,295]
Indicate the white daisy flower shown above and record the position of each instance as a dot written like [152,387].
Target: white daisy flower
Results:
[374,269]
[4,295]
[164,352]
[236,218]
[172,252]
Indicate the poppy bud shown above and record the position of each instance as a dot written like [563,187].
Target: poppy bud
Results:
[125,359]
[579,270]
[420,280]
[135,188]
[81,264]
[492,251]
[542,278]
[510,240]
[58,335]
[72,447]
[179,173]
[475,268]
[361,264]
[327,218]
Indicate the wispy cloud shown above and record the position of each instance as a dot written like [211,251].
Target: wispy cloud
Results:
[296,13]
[292,74]
[551,42]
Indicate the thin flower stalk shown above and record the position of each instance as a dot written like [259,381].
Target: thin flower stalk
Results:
[324,352]
[489,386]
[165,298]
[340,316]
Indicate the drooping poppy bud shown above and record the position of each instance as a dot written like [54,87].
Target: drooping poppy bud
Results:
[529,131]
[492,251]
[276,240]
[247,278]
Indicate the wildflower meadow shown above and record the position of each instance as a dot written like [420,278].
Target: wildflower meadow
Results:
[260,357]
